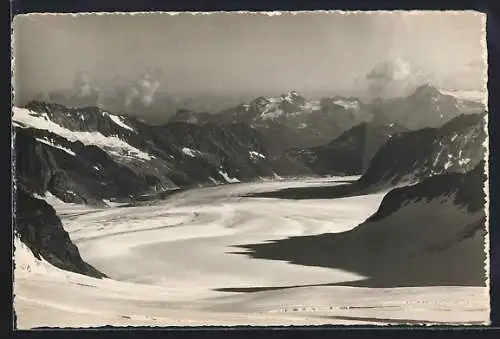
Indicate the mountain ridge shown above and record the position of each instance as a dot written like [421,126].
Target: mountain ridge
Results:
[351,152]
[457,146]
[177,155]
[292,121]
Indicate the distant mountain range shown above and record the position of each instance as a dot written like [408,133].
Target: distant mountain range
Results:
[425,107]
[411,111]
[291,121]
[163,106]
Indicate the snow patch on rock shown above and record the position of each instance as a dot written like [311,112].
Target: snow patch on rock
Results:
[227,177]
[256,155]
[190,152]
[111,144]
[118,120]
[47,142]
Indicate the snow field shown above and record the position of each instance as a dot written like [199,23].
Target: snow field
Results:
[168,261]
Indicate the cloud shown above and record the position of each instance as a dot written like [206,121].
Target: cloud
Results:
[84,85]
[143,89]
[394,78]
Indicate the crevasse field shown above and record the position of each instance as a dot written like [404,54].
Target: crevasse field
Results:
[168,260]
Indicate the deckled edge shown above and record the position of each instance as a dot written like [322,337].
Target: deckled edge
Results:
[12,168]
[279,13]
[484,59]
[268,13]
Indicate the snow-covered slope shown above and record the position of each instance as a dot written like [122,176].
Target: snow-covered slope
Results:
[428,234]
[182,270]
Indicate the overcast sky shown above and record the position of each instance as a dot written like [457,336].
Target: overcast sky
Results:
[232,53]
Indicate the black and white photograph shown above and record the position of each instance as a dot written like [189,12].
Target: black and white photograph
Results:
[250,169]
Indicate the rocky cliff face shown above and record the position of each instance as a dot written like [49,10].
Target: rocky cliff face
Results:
[457,146]
[39,228]
[73,172]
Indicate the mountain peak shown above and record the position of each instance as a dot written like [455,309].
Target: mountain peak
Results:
[294,97]
[426,90]
[293,94]
[260,101]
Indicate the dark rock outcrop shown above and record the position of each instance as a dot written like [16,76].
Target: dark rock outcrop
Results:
[41,230]
[87,176]
[351,152]
[457,146]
